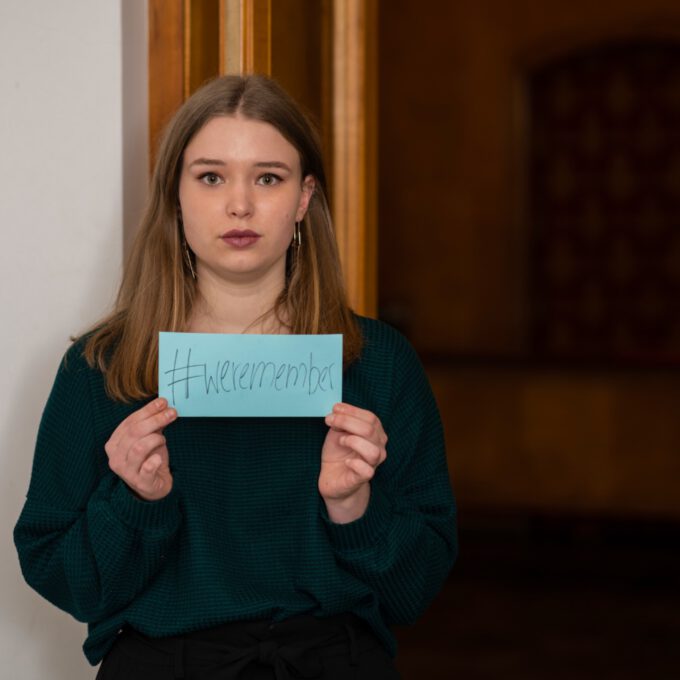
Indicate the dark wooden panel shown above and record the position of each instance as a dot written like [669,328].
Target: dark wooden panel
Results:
[544,440]
[166,66]
[453,246]
[454,259]
[204,42]
[298,29]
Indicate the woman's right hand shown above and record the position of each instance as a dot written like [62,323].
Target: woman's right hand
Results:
[137,451]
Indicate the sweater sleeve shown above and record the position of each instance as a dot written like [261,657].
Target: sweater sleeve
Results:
[405,544]
[85,542]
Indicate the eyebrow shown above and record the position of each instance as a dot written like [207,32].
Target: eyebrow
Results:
[273,164]
[206,161]
[261,164]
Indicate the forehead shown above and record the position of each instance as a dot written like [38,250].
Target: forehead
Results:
[238,138]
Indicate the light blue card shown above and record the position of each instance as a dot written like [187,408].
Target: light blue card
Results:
[214,374]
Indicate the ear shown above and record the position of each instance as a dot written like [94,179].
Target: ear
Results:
[308,186]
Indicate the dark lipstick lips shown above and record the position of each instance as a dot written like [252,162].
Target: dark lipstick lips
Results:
[236,233]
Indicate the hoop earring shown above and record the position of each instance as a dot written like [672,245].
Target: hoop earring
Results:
[185,246]
[187,257]
[297,236]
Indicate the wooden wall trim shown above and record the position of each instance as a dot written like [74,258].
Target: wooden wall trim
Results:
[166,66]
[257,36]
[201,43]
[355,130]
[245,41]
[183,53]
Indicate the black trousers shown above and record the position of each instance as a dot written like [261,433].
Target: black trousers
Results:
[336,648]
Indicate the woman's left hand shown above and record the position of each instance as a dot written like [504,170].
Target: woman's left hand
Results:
[354,447]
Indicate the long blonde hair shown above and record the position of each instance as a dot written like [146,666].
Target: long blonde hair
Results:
[158,290]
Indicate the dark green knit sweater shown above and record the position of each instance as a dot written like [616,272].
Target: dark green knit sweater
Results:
[244,533]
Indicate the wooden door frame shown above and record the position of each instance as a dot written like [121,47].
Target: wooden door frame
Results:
[355,145]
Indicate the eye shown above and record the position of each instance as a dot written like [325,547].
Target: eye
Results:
[268,179]
[210,178]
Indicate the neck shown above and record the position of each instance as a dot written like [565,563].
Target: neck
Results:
[224,306]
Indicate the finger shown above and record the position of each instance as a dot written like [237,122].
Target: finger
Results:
[142,428]
[355,411]
[362,414]
[163,452]
[151,465]
[151,479]
[153,423]
[354,425]
[152,408]
[141,450]
[367,450]
[361,468]
[126,464]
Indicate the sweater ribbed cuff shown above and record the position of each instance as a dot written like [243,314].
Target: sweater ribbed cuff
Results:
[160,515]
[365,532]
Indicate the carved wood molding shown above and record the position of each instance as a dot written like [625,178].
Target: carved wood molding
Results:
[355,147]
[166,66]
[245,39]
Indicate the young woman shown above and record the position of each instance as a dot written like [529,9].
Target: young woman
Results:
[237,547]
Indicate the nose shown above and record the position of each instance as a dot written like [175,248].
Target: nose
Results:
[238,200]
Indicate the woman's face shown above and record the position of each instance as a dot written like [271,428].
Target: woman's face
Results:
[240,193]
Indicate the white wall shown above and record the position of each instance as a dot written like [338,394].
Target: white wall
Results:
[71,120]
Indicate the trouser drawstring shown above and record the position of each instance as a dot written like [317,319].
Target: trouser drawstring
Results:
[353,648]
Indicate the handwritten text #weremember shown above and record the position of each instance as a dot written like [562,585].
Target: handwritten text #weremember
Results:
[226,376]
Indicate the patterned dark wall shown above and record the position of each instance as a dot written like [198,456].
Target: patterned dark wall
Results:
[604,178]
